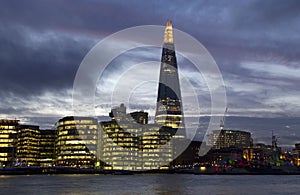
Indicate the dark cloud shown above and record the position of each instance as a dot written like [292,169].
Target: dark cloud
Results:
[32,62]
[43,42]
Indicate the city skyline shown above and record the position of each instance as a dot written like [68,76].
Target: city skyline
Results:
[256,53]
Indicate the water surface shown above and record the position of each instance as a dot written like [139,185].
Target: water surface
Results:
[150,184]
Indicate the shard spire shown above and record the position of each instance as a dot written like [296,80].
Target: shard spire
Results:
[168,35]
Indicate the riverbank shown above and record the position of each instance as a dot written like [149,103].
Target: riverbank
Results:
[197,171]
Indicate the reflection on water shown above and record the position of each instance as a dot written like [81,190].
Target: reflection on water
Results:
[149,184]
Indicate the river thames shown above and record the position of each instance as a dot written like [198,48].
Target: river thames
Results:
[150,184]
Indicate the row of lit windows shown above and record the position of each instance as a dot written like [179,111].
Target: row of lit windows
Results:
[71,122]
[28,147]
[4,135]
[46,143]
[6,140]
[7,127]
[6,145]
[79,147]
[69,137]
[28,156]
[78,132]
[62,162]
[127,144]
[3,154]
[5,131]
[75,152]
[76,157]
[120,140]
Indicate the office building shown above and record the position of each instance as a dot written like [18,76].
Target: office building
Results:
[76,142]
[8,141]
[230,139]
[129,143]
[28,145]
[47,147]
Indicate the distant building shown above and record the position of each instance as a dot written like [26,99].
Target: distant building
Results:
[8,139]
[258,155]
[47,147]
[267,155]
[230,139]
[28,145]
[296,154]
[77,141]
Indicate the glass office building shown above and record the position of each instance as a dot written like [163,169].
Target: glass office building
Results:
[8,138]
[76,142]
[28,152]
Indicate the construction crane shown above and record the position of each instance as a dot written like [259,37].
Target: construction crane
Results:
[222,122]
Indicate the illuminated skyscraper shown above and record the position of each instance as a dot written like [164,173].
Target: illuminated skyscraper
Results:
[169,103]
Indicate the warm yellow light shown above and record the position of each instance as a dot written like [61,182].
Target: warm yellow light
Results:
[168,36]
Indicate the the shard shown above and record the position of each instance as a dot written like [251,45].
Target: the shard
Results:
[169,112]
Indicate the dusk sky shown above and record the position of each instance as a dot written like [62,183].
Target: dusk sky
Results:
[256,45]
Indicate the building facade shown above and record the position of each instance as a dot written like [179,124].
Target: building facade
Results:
[47,147]
[129,143]
[169,110]
[76,142]
[8,141]
[296,153]
[230,139]
[28,152]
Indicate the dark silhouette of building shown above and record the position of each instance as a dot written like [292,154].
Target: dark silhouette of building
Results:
[190,156]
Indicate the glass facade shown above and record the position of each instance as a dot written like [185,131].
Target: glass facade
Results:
[119,140]
[47,147]
[129,143]
[156,147]
[8,138]
[28,152]
[76,143]
[169,111]
[230,139]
